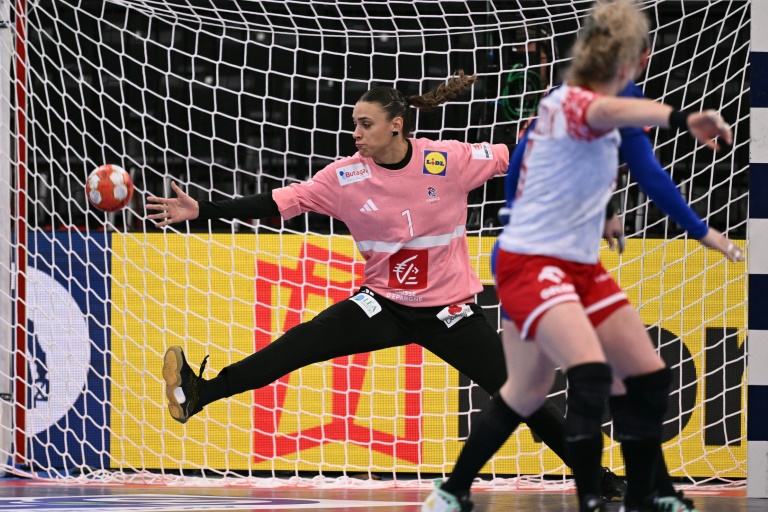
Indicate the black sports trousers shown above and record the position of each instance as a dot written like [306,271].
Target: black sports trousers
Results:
[470,345]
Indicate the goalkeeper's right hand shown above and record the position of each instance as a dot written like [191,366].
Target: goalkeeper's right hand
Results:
[716,240]
[177,209]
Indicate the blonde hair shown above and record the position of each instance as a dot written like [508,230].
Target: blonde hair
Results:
[614,35]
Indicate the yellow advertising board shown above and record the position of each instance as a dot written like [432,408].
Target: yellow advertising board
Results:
[394,410]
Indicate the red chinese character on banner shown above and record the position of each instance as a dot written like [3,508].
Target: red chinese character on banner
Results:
[348,372]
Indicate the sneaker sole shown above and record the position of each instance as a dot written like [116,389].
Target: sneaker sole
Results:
[172,362]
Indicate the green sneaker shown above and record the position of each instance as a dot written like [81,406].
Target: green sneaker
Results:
[676,503]
[443,501]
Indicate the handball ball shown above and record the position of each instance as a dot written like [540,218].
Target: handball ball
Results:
[109,188]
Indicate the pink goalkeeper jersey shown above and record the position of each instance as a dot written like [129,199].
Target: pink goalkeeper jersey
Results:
[408,224]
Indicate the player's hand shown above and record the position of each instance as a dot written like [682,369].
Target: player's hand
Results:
[176,209]
[614,234]
[707,125]
[716,240]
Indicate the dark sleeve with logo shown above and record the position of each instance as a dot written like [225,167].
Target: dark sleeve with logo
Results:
[259,206]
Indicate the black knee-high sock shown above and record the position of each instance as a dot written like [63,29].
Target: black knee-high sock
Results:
[586,457]
[589,385]
[214,389]
[662,482]
[489,433]
[549,424]
[640,456]
[638,427]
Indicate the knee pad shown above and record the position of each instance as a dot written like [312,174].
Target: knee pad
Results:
[588,388]
[640,413]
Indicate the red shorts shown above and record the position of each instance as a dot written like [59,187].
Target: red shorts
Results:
[529,285]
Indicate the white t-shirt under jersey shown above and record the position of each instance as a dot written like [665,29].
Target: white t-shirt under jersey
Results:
[566,180]
[408,224]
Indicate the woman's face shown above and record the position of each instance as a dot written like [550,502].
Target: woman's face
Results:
[373,132]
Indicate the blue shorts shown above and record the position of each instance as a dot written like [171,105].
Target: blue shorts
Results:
[494,257]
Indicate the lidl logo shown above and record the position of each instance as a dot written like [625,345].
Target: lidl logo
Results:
[435,163]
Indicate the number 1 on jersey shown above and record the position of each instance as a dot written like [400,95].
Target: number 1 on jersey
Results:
[407,213]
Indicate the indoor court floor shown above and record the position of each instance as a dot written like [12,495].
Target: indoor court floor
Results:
[27,495]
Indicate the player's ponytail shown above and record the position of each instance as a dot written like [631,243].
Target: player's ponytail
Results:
[397,104]
[450,89]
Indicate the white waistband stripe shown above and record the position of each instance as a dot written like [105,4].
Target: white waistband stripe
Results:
[597,306]
[421,242]
[543,308]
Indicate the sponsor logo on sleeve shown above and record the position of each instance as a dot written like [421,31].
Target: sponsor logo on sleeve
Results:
[435,162]
[353,173]
[452,314]
[367,304]
[482,151]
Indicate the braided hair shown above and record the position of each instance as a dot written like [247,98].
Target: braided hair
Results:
[396,104]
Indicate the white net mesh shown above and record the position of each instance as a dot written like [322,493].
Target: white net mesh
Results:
[233,98]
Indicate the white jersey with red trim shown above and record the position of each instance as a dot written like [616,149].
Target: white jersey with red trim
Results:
[566,180]
[408,224]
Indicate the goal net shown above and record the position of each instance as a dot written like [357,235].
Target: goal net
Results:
[236,98]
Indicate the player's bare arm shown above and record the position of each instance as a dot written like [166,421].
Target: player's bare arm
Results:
[613,112]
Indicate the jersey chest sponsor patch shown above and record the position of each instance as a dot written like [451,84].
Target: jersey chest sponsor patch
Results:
[435,162]
[353,173]
[482,151]
[367,303]
[408,269]
[454,313]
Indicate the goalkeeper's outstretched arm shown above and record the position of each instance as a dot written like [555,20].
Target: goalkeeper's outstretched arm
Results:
[184,207]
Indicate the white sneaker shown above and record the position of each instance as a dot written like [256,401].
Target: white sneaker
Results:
[443,501]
